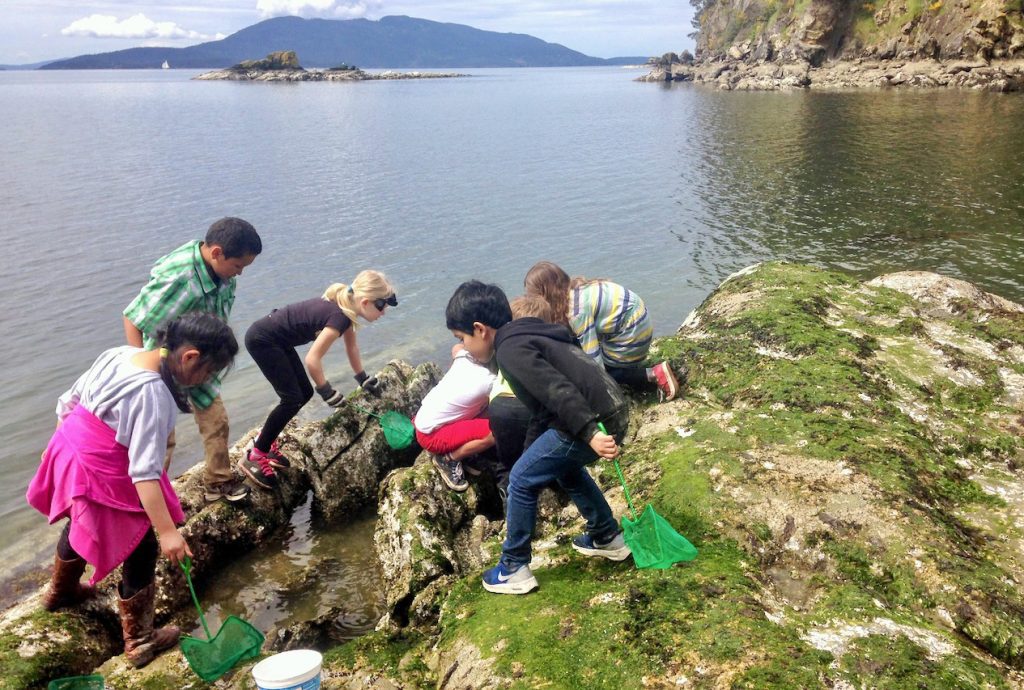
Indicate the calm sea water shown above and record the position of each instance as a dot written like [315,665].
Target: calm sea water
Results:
[665,188]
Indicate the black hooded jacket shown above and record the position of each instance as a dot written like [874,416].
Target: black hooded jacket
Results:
[563,388]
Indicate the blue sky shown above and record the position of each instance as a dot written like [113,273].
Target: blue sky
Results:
[37,30]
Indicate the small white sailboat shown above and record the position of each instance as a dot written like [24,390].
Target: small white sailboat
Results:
[166,65]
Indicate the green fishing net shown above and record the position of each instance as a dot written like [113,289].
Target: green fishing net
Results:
[236,641]
[653,541]
[398,430]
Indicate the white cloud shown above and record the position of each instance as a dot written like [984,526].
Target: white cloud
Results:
[137,26]
[341,9]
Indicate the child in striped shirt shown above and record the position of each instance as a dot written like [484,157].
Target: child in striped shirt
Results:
[610,322]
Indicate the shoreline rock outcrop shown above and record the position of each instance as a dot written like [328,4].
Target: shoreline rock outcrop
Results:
[847,457]
[831,44]
[727,74]
[340,460]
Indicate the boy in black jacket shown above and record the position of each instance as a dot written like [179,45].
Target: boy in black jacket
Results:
[568,394]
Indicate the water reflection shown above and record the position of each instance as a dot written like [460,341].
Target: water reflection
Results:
[305,571]
[866,182]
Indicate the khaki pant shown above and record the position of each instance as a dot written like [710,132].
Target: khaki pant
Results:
[213,428]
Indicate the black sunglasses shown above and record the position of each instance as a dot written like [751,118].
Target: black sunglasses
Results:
[381,303]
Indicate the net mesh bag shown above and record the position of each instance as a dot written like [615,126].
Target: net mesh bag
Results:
[653,541]
[398,430]
[236,641]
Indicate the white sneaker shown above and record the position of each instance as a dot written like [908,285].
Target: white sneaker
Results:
[615,550]
[502,581]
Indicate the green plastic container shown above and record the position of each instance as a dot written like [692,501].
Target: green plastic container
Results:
[77,683]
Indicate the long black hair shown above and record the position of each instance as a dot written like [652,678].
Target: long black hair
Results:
[205,332]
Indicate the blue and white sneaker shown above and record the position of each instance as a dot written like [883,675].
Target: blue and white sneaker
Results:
[503,581]
[615,550]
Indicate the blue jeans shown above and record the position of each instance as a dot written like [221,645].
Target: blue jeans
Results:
[553,456]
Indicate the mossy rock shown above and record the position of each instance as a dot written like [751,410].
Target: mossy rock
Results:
[845,458]
[37,646]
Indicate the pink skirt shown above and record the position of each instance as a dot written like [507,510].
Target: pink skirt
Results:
[84,475]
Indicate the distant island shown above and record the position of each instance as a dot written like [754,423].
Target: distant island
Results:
[283,65]
[390,42]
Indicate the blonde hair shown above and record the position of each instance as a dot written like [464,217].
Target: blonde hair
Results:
[369,284]
[531,305]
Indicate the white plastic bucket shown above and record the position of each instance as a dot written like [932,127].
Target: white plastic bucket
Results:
[298,669]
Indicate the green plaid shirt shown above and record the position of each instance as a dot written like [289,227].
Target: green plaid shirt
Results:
[180,283]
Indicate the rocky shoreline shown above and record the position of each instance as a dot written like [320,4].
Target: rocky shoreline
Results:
[847,457]
[828,44]
[738,74]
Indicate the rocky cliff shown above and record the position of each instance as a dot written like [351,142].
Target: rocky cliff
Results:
[815,34]
[820,30]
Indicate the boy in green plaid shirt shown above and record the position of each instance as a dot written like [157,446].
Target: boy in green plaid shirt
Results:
[199,276]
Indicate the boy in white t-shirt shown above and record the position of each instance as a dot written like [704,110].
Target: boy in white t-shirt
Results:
[449,424]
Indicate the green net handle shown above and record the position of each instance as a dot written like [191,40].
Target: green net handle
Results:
[622,479]
[186,565]
[363,410]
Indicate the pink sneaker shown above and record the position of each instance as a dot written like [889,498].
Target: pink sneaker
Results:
[256,467]
[666,379]
[277,461]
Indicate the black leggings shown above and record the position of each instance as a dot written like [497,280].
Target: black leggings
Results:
[283,368]
[137,570]
[634,377]
[509,421]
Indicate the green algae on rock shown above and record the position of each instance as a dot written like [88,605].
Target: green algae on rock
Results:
[847,459]
[339,461]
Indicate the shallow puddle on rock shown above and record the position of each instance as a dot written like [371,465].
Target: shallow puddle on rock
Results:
[793,590]
[299,574]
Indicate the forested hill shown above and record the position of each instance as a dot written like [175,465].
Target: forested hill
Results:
[404,42]
[819,30]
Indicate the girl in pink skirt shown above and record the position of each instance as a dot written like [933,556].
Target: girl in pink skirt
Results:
[103,470]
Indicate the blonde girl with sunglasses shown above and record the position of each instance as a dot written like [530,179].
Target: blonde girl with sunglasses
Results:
[322,321]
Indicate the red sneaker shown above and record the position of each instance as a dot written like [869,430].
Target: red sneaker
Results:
[666,379]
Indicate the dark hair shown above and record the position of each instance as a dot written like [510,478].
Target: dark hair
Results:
[235,236]
[476,301]
[205,332]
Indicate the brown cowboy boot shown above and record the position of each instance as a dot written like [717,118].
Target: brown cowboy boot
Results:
[141,642]
[65,586]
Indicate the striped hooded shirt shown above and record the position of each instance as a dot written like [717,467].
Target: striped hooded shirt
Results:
[611,323]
